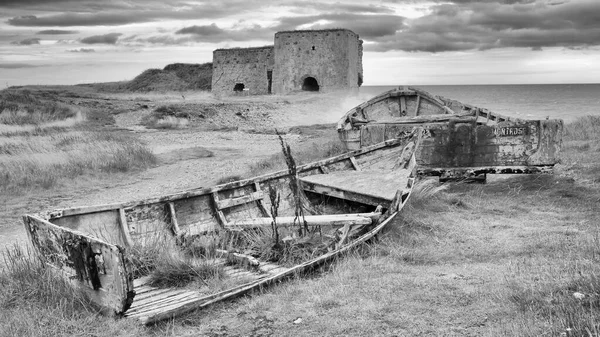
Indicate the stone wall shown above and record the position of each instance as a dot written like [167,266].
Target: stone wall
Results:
[243,71]
[332,57]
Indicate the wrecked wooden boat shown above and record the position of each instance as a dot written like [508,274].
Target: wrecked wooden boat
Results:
[463,141]
[349,199]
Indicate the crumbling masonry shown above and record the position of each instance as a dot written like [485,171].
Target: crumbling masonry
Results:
[310,60]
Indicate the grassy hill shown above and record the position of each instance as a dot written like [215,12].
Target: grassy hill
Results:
[173,77]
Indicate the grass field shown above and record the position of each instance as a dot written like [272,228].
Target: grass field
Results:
[518,256]
[42,143]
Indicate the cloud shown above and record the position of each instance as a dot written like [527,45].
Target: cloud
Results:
[114,13]
[110,38]
[201,30]
[367,26]
[56,32]
[475,25]
[27,42]
[211,33]
[82,50]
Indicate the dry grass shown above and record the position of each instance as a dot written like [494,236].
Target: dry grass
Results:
[518,256]
[35,301]
[44,157]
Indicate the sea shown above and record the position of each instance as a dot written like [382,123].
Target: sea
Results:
[529,101]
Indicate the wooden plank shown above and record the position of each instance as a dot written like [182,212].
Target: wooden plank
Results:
[124,228]
[403,105]
[472,171]
[154,294]
[354,163]
[174,223]
[100,269]
[196,303]
[227,203]
[241,183]
[238,258]
[346,195]
[416,112]
[373,187]
[261,202]
[220,215]
[311,220]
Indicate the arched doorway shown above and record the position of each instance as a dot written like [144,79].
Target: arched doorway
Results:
[310,84]
[238,87]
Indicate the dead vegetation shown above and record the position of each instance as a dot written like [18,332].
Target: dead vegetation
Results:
[43,143]
[518,256]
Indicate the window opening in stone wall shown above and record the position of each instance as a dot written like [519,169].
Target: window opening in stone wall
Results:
[270,79]
[310,84]
[238,87]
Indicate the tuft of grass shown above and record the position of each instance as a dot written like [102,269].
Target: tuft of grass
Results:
[36,301]
[168,265]
[21,107]
[43,158]
[167,117]
[175,271]
[583,128]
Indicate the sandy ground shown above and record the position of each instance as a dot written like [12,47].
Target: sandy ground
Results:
[238,133]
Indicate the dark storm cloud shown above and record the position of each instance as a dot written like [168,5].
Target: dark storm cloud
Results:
[210,33]
[110,38]
[340,7]
[468,25]
[82,50]
[367,26]
[26,42]
[201,30]
[113,13]
[56,32]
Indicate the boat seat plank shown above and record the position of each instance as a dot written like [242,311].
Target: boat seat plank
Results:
[227,203]
[371,187]
[311,220]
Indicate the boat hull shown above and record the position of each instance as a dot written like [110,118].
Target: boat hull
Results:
[106,233]
[460,137]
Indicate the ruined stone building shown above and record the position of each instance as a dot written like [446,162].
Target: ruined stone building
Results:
[311,60]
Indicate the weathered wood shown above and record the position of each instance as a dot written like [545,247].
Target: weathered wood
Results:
[220,215]
[473,171]
[155,304]
[240,259]
[403,105]
[354,164]
[98,267]
[124,228]
[416,112]
[261,202]
[324,169]
[227,203]
[174,222]
[311,220]
[237,184]
[371,187]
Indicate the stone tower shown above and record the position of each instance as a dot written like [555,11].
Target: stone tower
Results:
[243,70]
[310,60]
[317,60]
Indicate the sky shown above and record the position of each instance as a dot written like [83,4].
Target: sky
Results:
[406,42]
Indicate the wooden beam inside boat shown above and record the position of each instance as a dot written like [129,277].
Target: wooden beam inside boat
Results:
[311,220]
[343,194]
